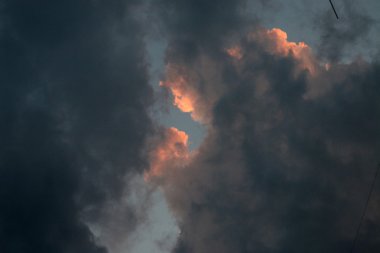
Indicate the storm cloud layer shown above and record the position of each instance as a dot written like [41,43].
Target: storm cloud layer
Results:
[292,140]
[74,98]
[292,144]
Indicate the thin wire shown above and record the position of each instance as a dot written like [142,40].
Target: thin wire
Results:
[336,14]
[365,209]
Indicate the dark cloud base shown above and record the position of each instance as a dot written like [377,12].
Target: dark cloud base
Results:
[73,113]
[281,173]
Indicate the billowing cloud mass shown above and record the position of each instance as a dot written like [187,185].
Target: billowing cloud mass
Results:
[170,150]
[73,119]
[292,143]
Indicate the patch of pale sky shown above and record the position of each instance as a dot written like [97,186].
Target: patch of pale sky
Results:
[159,231]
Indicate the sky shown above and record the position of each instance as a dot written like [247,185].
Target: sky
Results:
[189,126]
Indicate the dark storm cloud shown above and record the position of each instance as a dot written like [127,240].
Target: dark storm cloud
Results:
[336,35]
[291,149]
[73,118]
[282,173]
[195,25]
[307,163]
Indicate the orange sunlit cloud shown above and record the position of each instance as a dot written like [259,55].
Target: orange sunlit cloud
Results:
[182,98]
[282,45]
[185,96]
[172,150]
[300,50]
[276,42]
[235,52]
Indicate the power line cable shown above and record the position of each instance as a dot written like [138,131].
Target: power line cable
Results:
[336,14]
[365,208]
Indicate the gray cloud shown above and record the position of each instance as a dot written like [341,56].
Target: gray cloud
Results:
[74,99]
[353,26]
[290,152]
[191,26]
[285,167]
[281,172]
